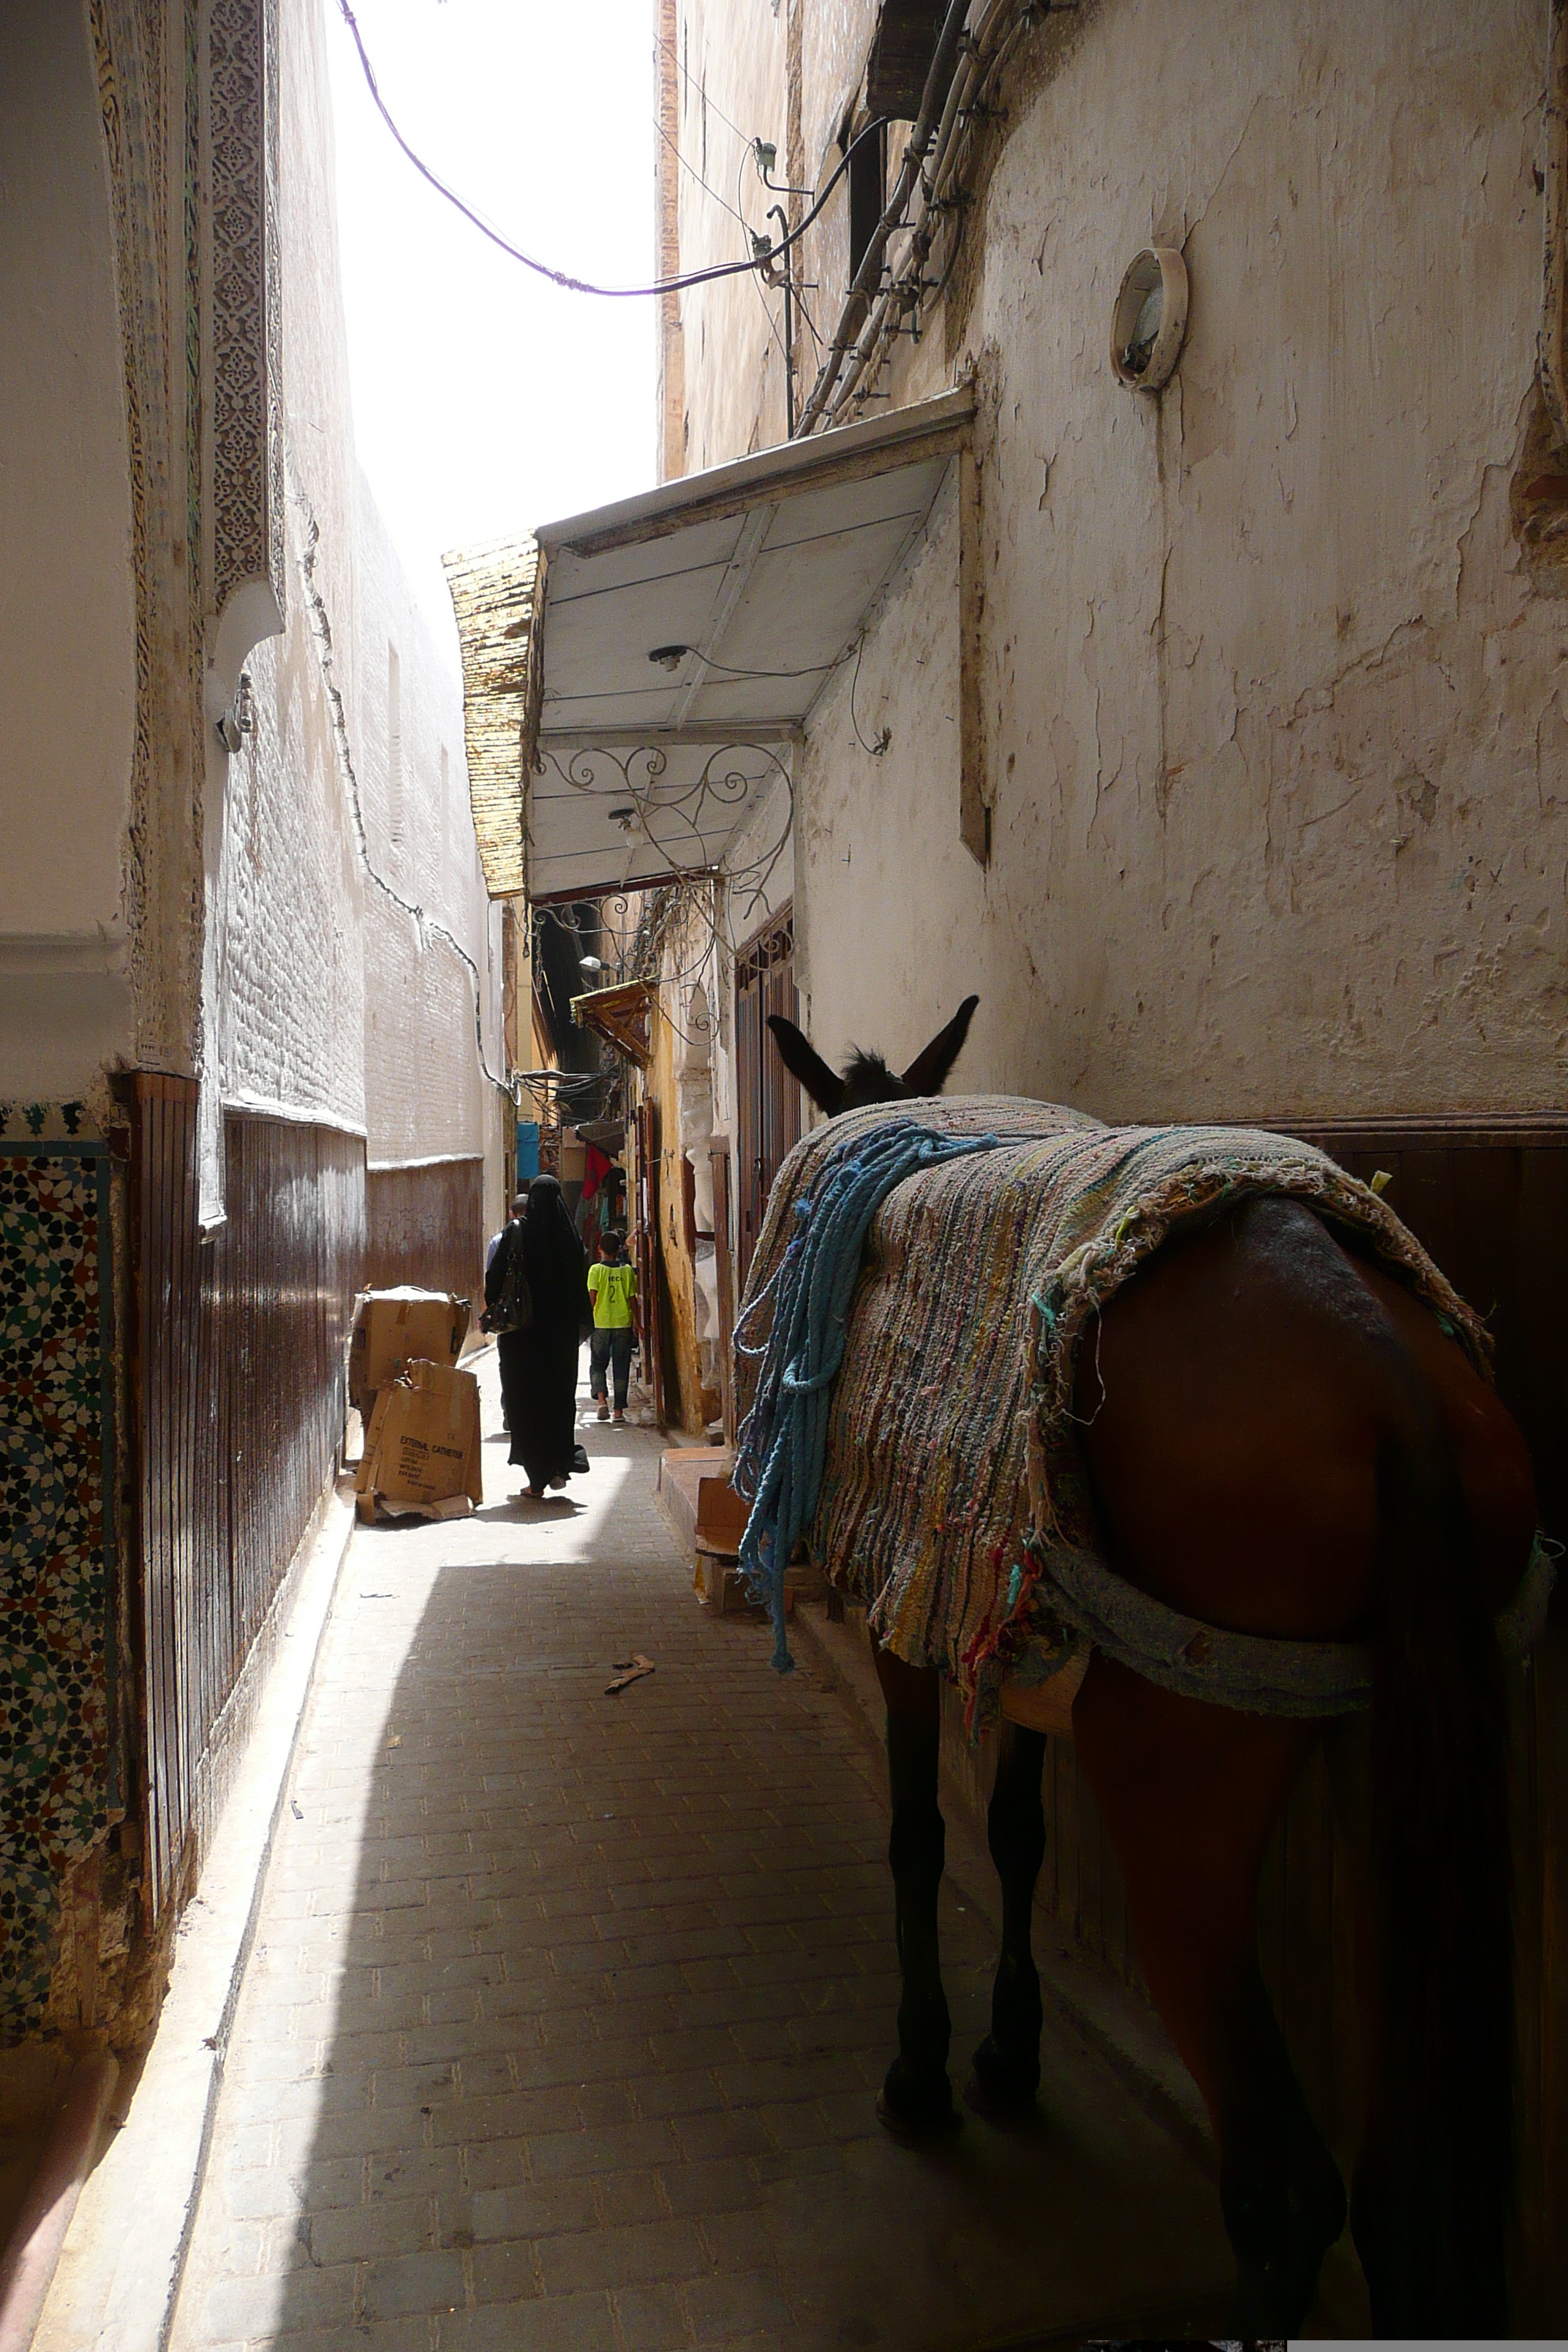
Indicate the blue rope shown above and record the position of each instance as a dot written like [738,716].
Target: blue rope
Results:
[783,1439]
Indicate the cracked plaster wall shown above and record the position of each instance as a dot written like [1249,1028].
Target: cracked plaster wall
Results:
[1278,721]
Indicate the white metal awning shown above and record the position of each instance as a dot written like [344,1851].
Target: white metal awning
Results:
[679,642]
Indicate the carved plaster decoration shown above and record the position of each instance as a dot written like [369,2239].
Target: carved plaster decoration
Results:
[140,74]
[244,455]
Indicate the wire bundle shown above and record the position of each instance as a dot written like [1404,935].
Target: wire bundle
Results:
[935,170]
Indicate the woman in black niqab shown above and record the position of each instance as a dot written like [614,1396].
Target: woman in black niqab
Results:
[539,1365]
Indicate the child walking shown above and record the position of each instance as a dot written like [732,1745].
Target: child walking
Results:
[611,1285]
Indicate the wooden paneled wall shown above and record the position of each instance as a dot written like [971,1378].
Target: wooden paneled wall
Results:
[1491,1206]
[237,1372]
[425,1226]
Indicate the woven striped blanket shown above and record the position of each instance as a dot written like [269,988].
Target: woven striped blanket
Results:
[953,1470]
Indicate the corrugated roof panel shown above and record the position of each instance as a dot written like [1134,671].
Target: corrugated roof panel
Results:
[596,766]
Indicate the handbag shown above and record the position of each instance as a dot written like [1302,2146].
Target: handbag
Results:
[513,1309]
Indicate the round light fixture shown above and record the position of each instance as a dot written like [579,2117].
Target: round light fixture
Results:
[1149,318]
[670,656]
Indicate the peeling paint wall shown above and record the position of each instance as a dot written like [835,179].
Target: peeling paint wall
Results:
[1276,714]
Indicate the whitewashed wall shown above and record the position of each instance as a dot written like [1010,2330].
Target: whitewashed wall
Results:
[352,794]
[426,1094]
[68,678]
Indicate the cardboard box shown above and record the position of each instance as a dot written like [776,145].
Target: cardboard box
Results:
[422,1448]
[392,1328]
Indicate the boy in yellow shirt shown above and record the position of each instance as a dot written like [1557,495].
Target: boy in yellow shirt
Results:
[612,1287]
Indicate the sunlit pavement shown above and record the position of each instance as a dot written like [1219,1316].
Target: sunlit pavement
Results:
[566,2010]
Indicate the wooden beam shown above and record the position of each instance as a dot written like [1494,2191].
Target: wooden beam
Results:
[974,775]
[1554,302]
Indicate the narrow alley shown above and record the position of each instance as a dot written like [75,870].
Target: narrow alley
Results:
[566,2010]
[802,691]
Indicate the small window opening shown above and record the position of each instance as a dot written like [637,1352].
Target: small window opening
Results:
[868,196]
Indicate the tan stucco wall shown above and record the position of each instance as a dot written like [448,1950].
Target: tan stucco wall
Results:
[68,678]
[1281,806]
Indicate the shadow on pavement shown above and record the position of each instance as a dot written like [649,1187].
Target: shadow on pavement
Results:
[568,2011]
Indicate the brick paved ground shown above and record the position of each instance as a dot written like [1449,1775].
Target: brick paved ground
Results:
[566,2011]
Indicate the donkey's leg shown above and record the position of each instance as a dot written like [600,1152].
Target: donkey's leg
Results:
[1007,2062]
[1190,1792]
[916,2094]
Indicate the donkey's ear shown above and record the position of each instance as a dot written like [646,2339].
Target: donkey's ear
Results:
[805,1063]
[927,1073]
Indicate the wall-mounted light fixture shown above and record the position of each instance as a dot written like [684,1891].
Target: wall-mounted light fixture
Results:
[1149,318]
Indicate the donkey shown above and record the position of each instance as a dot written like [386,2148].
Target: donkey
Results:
[1281,1440]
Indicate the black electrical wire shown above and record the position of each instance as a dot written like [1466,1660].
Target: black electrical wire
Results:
[813,669]
[560,277]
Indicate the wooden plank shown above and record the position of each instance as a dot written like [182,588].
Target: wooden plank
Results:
[1545,2166]
[240,1391]
[723,1270]
[975,770]
[425,1226]
[1532,1369]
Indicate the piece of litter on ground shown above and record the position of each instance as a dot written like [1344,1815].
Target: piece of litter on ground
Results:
[296,1809]
[375,1596]
[396,1739]
[628,1670]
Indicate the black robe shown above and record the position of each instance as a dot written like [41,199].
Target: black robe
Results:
[539,1365]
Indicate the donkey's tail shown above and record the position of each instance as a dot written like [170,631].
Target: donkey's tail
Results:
[1434,2190]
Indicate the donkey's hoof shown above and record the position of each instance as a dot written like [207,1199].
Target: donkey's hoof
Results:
[915,2106]
[1003,2086]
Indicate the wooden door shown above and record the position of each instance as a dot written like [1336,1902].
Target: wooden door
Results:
[768,1100]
